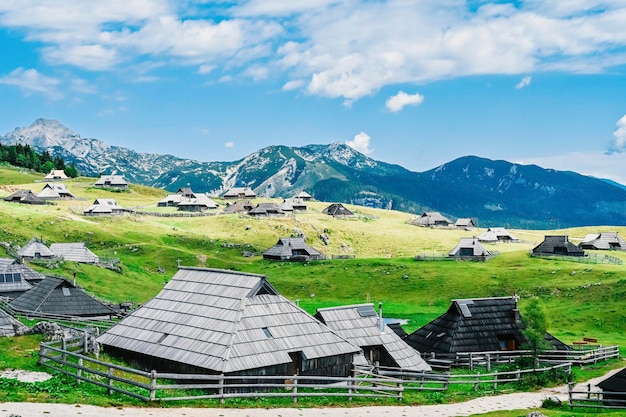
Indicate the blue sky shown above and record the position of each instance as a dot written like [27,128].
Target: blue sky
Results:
[412,82]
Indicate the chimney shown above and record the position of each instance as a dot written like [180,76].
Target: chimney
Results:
[381,323]
[516,313]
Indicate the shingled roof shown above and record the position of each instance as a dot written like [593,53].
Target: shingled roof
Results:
[57,296]
[55,192]
[239,192]
[76,252]
[557,245]
[34,249]
[10,326]
[497,234]
[473,325]
[223,321]
[470,247]
[431,219]
[289,247]
[603,241]
[24,197]
[103,206]
[337,210]
[361,326]
[13,278]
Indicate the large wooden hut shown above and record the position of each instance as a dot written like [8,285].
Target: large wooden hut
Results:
[292,249]
[75,252]
[13,278]
[431,219]
[363,327]
[470,248]
[113,180]
[34,250]
[337,210]
[104,207]
[55,192]
[557,246]
[24,197]
[59,297]
[475,325]
[497,234]
[239,193]
[213,321]
[614,390]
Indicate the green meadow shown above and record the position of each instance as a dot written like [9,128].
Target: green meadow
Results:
[579,299]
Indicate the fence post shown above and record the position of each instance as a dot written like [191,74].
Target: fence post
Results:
[153,380]
[399,386]
[445,385]
[471,361]
[221,388]
[85,345]
[42,351]
[588,391]
[110,382]
[64,348]
[422,380]
[352,382]
[495,381]
[488,362]
[476,383]
[79,371]
[570,400]
[294,389]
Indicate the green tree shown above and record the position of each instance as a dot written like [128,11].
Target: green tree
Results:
[71,171]
[47,167]
[535,327]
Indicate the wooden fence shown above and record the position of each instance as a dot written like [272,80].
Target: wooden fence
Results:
[587,259]
[68,357]
[595,399]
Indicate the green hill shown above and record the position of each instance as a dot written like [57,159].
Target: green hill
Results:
[579,299]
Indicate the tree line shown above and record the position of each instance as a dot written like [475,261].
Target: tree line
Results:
[25,156]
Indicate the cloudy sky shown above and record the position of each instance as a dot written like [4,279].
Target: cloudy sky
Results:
[413,82]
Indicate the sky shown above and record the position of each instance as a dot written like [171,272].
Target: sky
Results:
[412,82]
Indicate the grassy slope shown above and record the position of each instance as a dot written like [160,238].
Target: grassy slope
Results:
[580,300]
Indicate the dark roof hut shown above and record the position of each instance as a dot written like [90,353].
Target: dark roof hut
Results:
[13,278]
[55,192]
[557,246]
[75,252]
[266,210]
[237,207]
[35,249]
[10,326]
[337,210]
[292,249]
[59,297]
[614,389]
[219,321]
[603,241]
[470,248]
[497,234]
[464,223]
[431,219]
[361,326]
[474,325]
[239,192]
[293,204]
[104,207]
[197,203]
[24,197]
[112,181]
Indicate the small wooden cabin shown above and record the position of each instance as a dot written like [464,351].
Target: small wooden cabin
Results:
[24,197]
[292,249]
[213,321]
[56,192]
[614,390]
[603,241]
[469,248]
[75,252]
[497,234]
[337,210]
[56,175]
[34,250]
[557,246]
[266,210]
[239,193]
[431,219]
[104,207]
[112,181]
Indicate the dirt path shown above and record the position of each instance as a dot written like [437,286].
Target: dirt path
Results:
[516,401]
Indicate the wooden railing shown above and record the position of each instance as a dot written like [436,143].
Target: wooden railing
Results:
[595,399]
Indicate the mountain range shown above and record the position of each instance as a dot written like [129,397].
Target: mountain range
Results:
[495,193]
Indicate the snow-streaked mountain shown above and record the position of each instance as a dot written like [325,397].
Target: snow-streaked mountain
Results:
[498,193]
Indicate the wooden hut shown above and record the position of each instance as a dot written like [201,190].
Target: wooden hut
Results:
[431,219]
[464,223]
[337,210]
[557,246]
[603,241]
[475,325]
[361,326]
[196,203]
[469,248]
[56,175]
[13,278]
[304,196]
[24,197]
[292,249]
[55,192]
[497,234]
[112,181]
[35,249]
[614,390]
[59,297]
[266,210]
[293,204]
[104,207]
[237,207]
[75,252]
[218,321]
[239,193]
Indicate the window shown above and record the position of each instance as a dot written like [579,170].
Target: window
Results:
[267,332]
[66,291]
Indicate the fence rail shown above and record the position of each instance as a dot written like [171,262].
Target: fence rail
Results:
[68,357]
[587,259]
[595,399]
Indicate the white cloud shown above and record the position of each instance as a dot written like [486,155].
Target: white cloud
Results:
[397,102]
[230,144]
[292,85]
[361,143]
[32,81]
[619,143]
[524,82]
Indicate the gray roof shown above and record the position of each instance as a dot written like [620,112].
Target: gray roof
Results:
[200,200]
[223,321]
[303,194]
[464,222]
[337,209]
[24,197]
[55,191]
[113,180]
[13,277]
[103,206]
[473,325]
[76,252]
[468,244]
[10,326]
[431,218]
[56,174]
[288,247]
[239,192]
[238,207]
[36,250]
[360,325]
[603,241]
[266,209]
[59,297]
[494,234]
[557,245]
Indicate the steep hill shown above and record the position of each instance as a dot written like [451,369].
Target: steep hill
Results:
[494,192]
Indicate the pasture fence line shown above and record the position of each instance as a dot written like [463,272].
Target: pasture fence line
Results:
[597,399]
[70,356]
[587,259]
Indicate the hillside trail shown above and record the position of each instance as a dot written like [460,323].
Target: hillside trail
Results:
[514,401]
